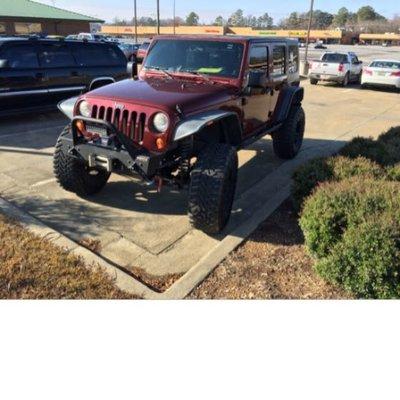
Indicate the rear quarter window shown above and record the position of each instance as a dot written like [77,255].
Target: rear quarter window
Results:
[279,60]
[91,55]
[293,62]
[55,55]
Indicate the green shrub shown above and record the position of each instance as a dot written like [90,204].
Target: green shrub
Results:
[367,260]
[338,206]
[393,173]
[391,141]
[320,170]
[367,147]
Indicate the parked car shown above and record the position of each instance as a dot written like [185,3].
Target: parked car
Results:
[320,46]
[197,98]
[382,73]
[342,68]
[38,73]
[130,50]
[142,51]
[72,37]
[91,37]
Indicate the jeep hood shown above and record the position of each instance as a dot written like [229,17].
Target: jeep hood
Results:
[166,93]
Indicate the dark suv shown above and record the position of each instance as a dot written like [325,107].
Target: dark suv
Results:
[38,73]
[197,101]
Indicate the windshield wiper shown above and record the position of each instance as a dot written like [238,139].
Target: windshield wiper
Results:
[166,73]
[196,73]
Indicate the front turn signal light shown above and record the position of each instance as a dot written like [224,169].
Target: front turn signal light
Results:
[161,143]
[80,125]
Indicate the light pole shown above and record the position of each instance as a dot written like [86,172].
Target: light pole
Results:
[135,18]
[308,32]
[158,17]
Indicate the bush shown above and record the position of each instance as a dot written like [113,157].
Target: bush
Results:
[367,261]
[393,173]
[368,148]
[320,170]
[338,206]
[391,141]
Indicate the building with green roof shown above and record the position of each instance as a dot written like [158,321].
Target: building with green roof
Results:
[24,17]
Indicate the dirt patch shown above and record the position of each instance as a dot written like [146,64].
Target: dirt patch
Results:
[157,283]
[272,264]
[34,268]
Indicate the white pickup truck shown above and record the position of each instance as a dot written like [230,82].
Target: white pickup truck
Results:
[342,68]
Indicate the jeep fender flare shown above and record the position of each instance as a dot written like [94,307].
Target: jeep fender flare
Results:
[100,82]
[288,97]
[232,129]
[67,106]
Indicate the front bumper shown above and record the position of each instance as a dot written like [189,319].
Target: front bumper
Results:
[119,154]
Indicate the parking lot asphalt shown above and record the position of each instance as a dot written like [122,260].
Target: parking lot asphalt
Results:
[138,228]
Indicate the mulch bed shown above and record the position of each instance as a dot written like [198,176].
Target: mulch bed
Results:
[272,264]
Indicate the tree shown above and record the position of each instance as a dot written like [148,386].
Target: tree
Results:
[368,13]
[237,19]
[321,19]
[265,21]
[342,17]
[192,19]
[219,21]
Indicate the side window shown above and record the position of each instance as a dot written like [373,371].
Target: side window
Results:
[293,59]
[259,57]
[55,55]
[21,56]
[113,56]
[279,55]
[87,55]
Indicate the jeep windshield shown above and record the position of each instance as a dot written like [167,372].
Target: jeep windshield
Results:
[199,57]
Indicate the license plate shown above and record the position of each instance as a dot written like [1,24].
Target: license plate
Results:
[382,73]
[324,76]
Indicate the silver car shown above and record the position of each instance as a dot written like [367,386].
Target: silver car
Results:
[382,73]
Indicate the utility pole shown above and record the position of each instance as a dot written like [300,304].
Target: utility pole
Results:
[135,18]
[174,17]
[308,32]
[158,17]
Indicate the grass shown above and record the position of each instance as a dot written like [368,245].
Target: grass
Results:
[34,268]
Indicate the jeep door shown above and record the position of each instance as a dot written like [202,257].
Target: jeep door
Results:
[63,77]
[278,75]
[22,81]
[256,100]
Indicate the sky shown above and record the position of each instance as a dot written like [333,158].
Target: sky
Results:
[208,10]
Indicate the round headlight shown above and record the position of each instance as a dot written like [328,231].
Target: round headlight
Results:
[161,122]
[85,109]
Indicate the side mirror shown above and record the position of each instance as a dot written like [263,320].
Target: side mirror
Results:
[132,69]
[257,79]
[4,64]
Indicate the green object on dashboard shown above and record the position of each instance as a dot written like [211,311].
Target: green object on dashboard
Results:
[206,70]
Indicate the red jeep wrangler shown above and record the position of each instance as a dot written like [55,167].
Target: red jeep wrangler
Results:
[196,102]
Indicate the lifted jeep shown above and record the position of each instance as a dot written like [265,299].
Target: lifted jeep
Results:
[196,102]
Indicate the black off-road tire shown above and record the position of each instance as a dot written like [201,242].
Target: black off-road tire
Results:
[212,188]
[314,81]
[288,140]
[73,175]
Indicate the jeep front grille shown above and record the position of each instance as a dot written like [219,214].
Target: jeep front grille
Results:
[130,123]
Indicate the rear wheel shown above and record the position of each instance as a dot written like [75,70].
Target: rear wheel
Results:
[314,81]
[288,140]
[212,188]
[346,80]
[73,175]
